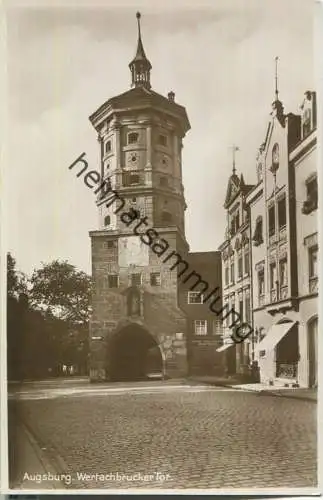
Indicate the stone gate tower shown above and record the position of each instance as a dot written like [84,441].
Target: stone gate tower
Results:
[137,325]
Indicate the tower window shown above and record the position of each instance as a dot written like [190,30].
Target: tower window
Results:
[136,279]
[133,138]
[107,220]
[113,280]
[108,147]
[162,140]
[155,279]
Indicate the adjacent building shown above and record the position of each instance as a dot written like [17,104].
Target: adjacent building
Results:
[204,328]
[236,273]
[283,223]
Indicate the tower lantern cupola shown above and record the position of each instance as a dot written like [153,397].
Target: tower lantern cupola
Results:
[140,66]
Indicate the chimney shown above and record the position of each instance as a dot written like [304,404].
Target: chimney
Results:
[171,96]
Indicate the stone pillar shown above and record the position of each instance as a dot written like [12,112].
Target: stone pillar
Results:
[149,149]
[118,154]
[149,145]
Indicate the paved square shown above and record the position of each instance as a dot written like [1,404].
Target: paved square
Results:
[179,437]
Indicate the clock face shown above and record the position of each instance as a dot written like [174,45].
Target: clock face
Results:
[133,159]
[275,154]
[164,162]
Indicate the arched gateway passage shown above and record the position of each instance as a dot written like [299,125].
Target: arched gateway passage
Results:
[134,355]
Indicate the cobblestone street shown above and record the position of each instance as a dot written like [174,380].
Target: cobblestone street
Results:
[200,437]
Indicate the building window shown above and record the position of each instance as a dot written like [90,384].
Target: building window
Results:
[272,276]
[108,147]
[310,204]
[226,275]
[232,271]
[194,298]
[247,308]
[112,244]
[283,272]
[237,221]
[162,140]
[113,280]
[271,220]
[261,282]
[107,220]
[258,233]
[306,123]
[217,327]
[313,269]
[155,279]
[136,279]
[133,138]
[282,213]
[246,263]
[240,266]
[200,327]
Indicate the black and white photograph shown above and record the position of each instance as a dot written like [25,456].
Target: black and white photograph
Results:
[161,241]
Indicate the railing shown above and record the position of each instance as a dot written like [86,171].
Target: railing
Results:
[283,234]
[286,370]
[283,292]
[133,178]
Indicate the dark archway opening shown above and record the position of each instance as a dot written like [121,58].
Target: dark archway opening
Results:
[134,355]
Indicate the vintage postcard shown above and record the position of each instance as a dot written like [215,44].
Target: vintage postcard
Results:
[162,246]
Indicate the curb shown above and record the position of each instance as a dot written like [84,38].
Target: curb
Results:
[261,392]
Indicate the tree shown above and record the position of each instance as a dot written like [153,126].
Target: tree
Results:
[16,280]
[62,291]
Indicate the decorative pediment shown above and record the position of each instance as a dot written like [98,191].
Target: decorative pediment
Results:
[232,189]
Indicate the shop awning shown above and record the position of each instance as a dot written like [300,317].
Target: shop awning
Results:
[224,347]
[274,335]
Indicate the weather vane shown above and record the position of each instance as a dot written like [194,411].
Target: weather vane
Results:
[234,149]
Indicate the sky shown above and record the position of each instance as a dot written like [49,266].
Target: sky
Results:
[64,62]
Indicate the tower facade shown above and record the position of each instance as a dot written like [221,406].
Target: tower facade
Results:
[137,325]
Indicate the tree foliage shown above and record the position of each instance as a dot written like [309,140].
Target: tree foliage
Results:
[62,291]
[47,321]
[16,281]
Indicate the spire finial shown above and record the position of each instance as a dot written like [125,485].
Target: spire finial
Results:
[138,16]
[276,77]
[234,149]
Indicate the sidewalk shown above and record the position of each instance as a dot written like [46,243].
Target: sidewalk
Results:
[263,389]
[31,470]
